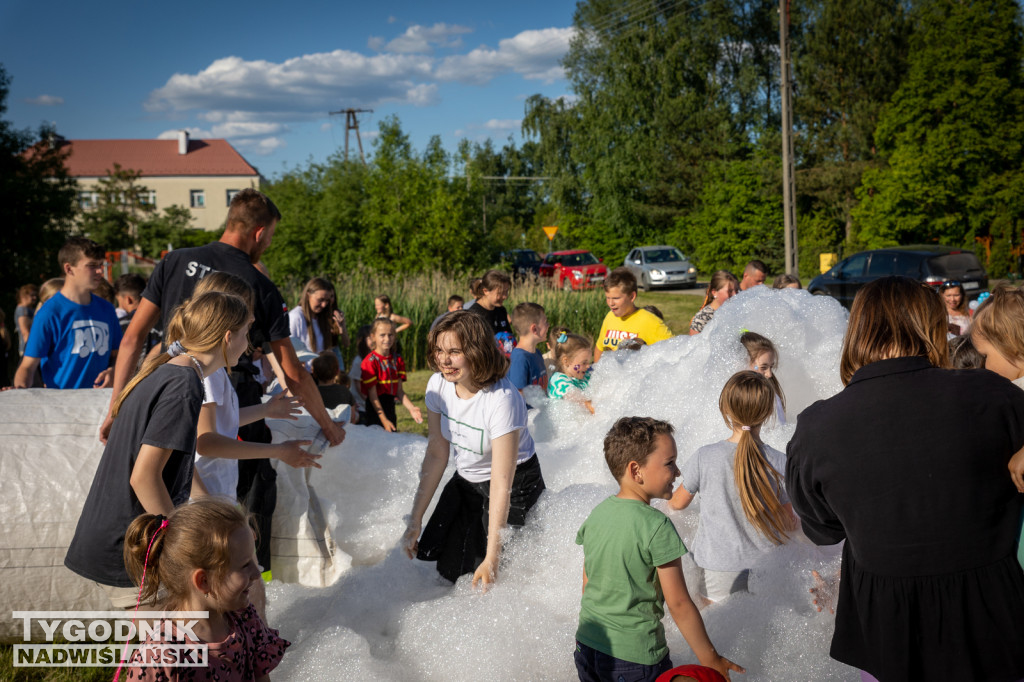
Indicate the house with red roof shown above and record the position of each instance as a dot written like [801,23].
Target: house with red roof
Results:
[202,175]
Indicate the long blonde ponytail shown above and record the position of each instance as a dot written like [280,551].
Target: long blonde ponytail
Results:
[748,401]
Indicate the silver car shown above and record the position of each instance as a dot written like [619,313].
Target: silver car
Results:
[660,266]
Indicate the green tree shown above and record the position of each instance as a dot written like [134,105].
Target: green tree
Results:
[953,132]
[170,229]
[849,60]
[414,216]
[740,217]
[37,202]
[320,232]
[661,91]
[122,206]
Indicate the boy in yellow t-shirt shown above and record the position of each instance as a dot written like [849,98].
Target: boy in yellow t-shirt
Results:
[624,320]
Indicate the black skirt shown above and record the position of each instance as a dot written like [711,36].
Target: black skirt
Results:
[456,535]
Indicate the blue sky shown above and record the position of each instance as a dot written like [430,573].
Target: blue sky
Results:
[264,75]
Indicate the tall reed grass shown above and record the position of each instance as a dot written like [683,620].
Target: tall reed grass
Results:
[423,297]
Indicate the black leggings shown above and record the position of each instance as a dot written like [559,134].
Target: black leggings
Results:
[456,535]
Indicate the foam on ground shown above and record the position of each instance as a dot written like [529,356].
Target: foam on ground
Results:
[388,618]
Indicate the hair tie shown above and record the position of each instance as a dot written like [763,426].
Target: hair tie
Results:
[562,338]
[145,565]
[744,330]
[745,428]
[175,349]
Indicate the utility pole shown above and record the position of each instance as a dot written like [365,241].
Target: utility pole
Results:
[352,123]
[788,187]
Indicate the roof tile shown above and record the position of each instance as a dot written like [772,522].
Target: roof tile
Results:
[96,158]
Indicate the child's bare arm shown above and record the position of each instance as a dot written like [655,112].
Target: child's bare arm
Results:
[681,498]
[584,589]
[1016,467]
[414,411]
[198,487]
[147,480]
[687,618]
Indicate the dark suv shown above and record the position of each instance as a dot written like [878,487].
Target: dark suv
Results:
[932,265]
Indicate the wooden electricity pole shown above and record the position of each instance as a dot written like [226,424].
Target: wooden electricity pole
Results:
[788,187]
[352,123]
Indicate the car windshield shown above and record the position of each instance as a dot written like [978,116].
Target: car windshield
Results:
[585,258]
[664,256]
[530,257]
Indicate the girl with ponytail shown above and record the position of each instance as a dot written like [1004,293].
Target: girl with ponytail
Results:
[147,464]
[202,557]
[744,508]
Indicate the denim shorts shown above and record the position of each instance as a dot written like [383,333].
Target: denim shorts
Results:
[595,666]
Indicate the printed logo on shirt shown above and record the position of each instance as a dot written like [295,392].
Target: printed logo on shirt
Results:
[465,437]
[193,268]
[613,337]
[90,337]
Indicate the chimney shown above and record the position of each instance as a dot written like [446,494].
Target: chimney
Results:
[182,142]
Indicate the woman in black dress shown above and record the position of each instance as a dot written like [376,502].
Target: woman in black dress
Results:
[908,465]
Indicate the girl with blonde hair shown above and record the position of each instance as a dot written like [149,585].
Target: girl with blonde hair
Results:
[202,557]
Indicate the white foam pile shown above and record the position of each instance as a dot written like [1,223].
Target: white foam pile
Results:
[388,618]
[380,616]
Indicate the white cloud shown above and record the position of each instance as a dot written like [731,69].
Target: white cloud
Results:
[299,88]
[193,132]
[423,38]
[535,55]
[375,43]
[253,102]
[503,124]
[46,101]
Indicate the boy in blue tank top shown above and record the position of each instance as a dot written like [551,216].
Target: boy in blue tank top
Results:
[632,565]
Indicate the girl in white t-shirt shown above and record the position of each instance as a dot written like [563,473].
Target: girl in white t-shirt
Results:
[744,509]
[217,444]
[316,321]
[477,415]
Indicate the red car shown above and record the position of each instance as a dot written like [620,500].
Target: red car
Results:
[573,269]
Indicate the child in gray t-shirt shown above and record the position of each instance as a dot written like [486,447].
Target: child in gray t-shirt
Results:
[744,508]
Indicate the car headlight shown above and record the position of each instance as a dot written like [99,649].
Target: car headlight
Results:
[692,270]
[577,274]
[658,274]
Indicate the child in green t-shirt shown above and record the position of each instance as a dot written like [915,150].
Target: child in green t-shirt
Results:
[624,540]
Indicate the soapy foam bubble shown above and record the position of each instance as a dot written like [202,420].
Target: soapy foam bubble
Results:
[388,618]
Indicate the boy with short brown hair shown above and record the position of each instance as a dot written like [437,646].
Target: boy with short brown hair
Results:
[624,320]
[623,539]
[526,364]
[75,334]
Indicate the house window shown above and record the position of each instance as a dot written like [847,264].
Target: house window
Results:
[231,195]
[148,198]
[87,200]
[198,198]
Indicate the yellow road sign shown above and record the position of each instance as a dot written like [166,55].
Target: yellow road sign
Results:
[550,231]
